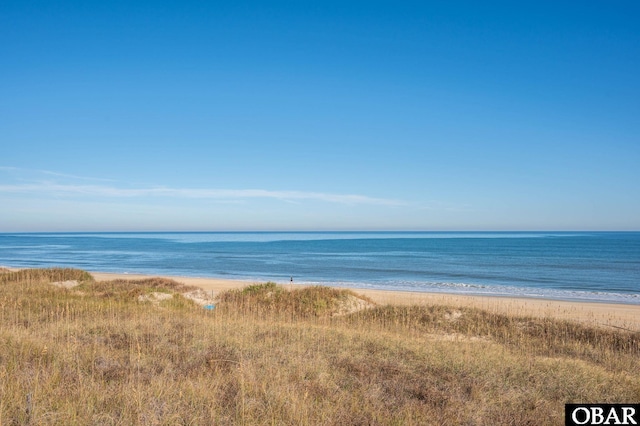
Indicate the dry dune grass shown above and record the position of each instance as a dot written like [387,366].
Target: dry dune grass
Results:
[95,354]
[44,275]
[270,300]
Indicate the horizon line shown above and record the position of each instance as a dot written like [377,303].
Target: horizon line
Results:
[300,231]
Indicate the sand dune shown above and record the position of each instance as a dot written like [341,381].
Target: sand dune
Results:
[593,313]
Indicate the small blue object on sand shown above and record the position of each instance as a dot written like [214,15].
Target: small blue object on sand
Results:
[209,307]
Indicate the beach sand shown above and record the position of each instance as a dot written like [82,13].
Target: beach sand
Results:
[592,313]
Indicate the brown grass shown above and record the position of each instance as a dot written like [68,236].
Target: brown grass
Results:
[271,300]
[94,354]
[44,275]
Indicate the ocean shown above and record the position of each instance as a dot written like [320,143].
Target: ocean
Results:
[585,266]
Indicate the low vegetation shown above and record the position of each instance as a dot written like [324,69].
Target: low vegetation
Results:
[98,353]
[272,301]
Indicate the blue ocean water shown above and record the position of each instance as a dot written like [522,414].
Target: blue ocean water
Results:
[595,266]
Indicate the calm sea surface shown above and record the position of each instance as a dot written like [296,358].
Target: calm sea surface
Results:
[599,266]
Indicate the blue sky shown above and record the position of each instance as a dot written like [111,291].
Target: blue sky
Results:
[331,115]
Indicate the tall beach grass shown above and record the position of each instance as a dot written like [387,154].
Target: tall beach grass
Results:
[95,353]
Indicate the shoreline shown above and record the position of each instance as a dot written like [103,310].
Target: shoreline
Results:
[615,315]
[594,313]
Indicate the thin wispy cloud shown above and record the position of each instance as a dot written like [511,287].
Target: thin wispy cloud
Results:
[64,175]
[53,188]
[31,172]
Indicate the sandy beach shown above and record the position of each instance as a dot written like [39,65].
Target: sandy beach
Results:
[592,313]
